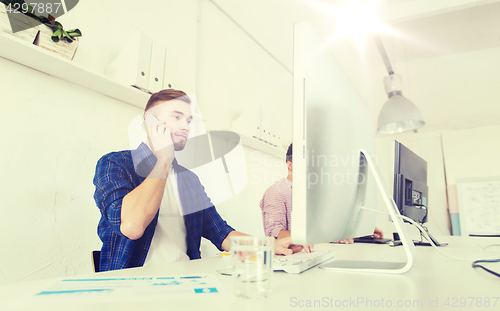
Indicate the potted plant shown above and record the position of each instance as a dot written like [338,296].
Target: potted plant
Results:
[61,41]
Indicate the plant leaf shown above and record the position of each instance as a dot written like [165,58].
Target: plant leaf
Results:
[56,36]
[33,16]
[44,20]
[54,28]
[67,36]
[75,32]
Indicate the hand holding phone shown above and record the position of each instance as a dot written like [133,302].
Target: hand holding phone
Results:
[160,141]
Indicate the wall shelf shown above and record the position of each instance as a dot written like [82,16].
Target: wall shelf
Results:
[262,146]
[32,56]
[256,144]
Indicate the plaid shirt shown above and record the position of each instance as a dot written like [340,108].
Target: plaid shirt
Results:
[116,176]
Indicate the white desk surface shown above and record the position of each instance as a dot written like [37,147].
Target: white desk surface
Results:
[432,277]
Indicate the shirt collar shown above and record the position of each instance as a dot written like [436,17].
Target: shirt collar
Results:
[145,160]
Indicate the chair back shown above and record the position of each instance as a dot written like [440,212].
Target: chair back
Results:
[96,258]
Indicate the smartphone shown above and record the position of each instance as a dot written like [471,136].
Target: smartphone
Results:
[150,119]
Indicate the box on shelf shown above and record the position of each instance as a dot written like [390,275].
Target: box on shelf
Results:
[22,21]
[36,33]
[62,48]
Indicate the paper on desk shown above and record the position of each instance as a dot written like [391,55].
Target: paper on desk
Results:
[130,288]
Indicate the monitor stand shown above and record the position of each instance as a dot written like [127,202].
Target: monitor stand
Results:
[433,239]
[397,242]
[377,266]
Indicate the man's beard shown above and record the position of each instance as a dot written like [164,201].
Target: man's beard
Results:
[179,146]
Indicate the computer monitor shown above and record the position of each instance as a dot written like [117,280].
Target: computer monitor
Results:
[410,183]
[410,187]
[331,124]
[334,168]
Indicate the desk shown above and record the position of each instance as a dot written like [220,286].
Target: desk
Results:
[432,279]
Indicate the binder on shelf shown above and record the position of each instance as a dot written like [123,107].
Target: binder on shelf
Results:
[157,67]
[262,130]
[275,129]
[132,65]
[249,123]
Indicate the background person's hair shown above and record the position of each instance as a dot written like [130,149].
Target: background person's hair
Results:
[166,95]
[289,154]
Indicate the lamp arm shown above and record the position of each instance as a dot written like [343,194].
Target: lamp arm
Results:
[383,54]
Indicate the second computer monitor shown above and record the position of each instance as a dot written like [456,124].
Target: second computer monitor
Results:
[410,183]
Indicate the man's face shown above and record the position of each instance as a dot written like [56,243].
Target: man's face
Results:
[177,116]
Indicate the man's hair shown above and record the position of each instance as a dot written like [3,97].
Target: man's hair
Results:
[166,95]
[289,154]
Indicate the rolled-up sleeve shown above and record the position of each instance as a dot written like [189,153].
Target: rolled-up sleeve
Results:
[273,212]
[215,228]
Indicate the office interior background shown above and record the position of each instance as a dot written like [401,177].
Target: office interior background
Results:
[234,55]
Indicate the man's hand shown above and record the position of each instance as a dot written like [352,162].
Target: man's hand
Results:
[285,247]
[282,246]
[378,234]
[161,144]
[346,241]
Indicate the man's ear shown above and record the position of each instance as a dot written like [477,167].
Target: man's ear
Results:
[289,165]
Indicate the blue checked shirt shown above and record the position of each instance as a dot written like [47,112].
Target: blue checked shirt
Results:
[116,176]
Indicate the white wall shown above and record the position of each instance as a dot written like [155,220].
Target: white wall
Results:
[52,133]
[236,73]
[472,153]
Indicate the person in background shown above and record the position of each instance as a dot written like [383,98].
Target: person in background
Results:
[276,206]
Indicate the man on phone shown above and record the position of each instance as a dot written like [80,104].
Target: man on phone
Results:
[154,210]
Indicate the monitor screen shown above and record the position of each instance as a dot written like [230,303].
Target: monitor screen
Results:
[410,183]
[332,127]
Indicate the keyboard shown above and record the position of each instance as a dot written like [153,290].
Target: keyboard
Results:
[298,262]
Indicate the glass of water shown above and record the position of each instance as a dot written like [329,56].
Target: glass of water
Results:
[252,265]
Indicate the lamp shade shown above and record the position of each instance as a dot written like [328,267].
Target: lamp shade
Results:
[399,114]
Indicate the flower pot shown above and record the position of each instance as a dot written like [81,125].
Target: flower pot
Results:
[20,20]
[62,48]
